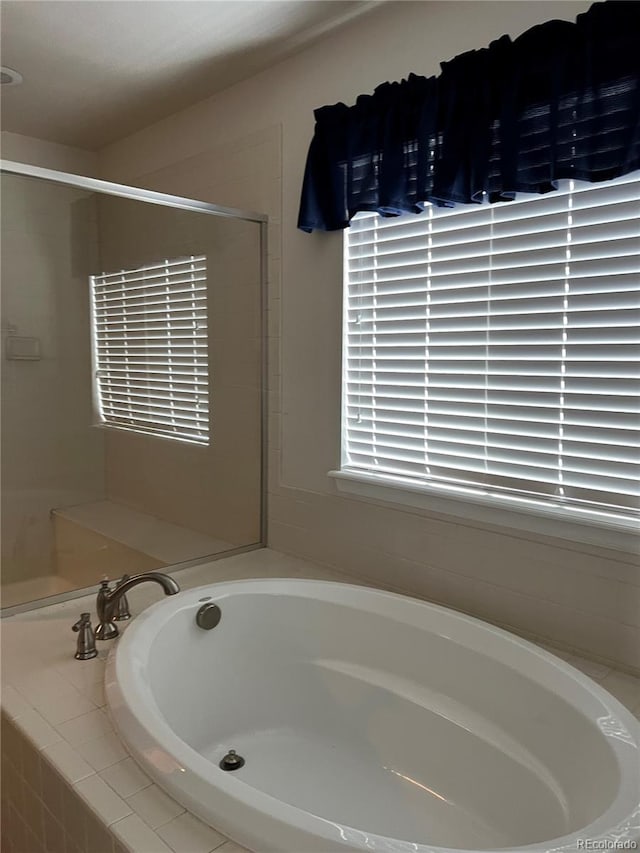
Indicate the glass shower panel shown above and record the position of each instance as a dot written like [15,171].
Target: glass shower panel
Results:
[131,386]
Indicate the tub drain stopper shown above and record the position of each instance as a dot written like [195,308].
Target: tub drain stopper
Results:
[232,761]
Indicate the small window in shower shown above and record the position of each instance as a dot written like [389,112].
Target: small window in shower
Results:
[150,346]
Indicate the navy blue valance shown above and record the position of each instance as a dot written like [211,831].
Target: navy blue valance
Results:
[561,101]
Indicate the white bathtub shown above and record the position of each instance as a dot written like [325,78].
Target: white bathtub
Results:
[371,721]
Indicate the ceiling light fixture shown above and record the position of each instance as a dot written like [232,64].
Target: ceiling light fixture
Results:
[9,77]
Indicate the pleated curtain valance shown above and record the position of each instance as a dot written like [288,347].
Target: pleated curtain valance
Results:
[561,101]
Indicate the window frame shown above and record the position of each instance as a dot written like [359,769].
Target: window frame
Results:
[617,531]
[100,420]
[528,517]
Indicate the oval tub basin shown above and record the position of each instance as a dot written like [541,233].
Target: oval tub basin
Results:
[370,721]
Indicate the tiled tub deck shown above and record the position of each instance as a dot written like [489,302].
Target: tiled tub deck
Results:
[68,783]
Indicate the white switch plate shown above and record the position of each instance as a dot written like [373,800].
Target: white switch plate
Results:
[20,348]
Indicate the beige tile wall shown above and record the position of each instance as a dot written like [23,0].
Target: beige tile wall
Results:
[585,599]
[224,149]
[54,801]
[41,811]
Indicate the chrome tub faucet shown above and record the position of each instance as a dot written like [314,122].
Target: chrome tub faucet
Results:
[108,600]
[86,646]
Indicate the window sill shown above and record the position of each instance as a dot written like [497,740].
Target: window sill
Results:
[139,433]
[586,527]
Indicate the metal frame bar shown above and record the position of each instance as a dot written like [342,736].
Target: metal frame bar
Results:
[125,191]
[264,382]
[181,203]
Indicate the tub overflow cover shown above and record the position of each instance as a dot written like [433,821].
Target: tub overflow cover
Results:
[208,616]
[232,761]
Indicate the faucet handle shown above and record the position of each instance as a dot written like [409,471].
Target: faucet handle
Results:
[123,611]
[86,646]
[85,619]
[105,629]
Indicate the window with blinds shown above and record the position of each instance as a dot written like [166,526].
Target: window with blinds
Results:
[497,347]
[150,349]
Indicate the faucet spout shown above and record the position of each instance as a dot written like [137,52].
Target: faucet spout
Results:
[107,601]
[167,583]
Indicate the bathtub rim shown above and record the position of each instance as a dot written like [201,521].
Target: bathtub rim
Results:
[145,738]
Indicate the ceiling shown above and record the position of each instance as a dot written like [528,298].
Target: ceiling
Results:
[97,70]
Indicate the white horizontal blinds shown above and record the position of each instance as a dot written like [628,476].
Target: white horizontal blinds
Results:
[601,436]
[151,350]
[525,343]
[417,296]
[495,345]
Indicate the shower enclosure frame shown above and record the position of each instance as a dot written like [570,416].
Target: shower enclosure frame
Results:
[98,185]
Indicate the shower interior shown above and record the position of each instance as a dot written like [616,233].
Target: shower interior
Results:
[83,499]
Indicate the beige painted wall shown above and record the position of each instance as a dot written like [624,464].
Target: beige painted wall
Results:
[574,594]
[213,489]
[48,155]
[51,455]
